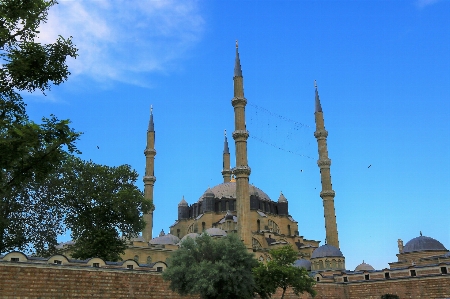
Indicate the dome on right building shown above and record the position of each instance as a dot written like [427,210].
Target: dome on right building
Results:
[423,243]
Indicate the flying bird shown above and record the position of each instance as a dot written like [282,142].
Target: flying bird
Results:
[369,166]
[98,147]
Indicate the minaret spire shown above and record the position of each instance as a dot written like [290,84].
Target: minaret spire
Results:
[149,178]
[242,170]
[327,194]
[226,171]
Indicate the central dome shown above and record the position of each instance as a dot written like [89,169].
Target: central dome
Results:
[228,190]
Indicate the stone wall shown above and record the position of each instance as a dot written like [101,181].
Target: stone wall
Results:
[28,280]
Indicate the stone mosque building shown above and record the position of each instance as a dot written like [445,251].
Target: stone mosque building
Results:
[422,269]
[235,206]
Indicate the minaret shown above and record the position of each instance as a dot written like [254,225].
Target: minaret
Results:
[149,178]
[226,172]
[324,163]
[241,171]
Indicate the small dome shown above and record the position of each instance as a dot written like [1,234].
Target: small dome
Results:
[423,243]
[183,203]
[191,235]
[282,198]
[302,263]
[326,251]
[165,240]
[364,267]
[216,232]
[228,216]
[208,193]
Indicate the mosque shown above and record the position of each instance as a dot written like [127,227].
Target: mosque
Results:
[235,206]
[422,269]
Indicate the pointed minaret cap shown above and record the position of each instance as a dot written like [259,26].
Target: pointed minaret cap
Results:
[237,64]
[183,203]
[282,198]
[162,233]
[318,106]
[151,126]
[226,150]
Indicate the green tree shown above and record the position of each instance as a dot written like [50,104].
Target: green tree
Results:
[212,268]
[29,151]
[103,208]
[280,273]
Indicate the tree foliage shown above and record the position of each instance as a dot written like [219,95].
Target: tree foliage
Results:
[44,190]
[29,151]
[280,273]
[101,204]
[212,268]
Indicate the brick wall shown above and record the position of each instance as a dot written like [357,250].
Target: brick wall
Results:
[27,280]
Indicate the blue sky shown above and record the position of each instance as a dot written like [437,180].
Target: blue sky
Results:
[383,71]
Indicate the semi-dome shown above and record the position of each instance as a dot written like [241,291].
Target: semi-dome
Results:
[423,243]
[326,251]
[165,240]
[364,267]
[228,190]
[302,263]
[216,232]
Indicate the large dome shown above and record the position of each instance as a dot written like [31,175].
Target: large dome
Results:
[326,251]
[228,190]
[423,243]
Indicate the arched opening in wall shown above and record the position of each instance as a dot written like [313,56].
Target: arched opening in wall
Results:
[366,277]
[289,230]
[321,265]
[178,233]
[444,270]
[203,226]
[216,206]
[258,225]
[317,278]
[149,259]
[227,206]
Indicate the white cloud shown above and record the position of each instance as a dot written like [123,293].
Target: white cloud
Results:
[423,3]
[122,40]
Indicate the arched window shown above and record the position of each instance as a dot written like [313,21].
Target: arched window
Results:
[149,259]
[258,225]
[321,265]
[203,226]
[289,230]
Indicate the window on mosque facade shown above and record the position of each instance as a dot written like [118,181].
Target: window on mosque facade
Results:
[149,259]
[57,262]
[159,269]
[96,265]
[366,277]
[444,270]
[412,272]
[317,278]
[387,275]
[345,279]
[14,259]
[130,267]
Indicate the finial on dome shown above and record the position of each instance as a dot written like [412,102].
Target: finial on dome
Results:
[237,45]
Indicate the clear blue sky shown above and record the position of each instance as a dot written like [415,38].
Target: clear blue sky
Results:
[383,71]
